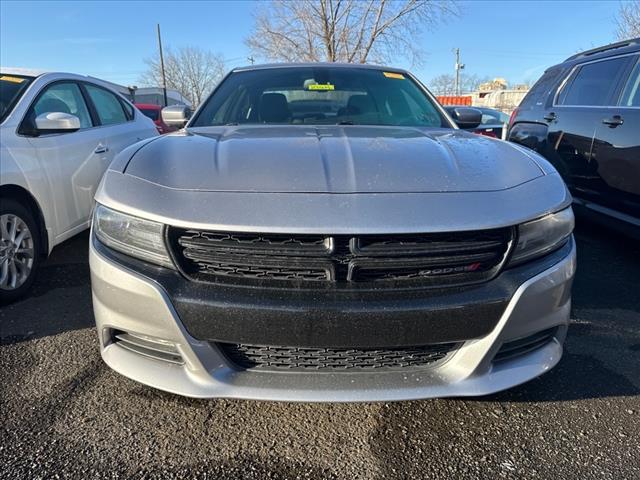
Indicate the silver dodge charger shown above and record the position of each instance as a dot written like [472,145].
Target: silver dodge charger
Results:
[324,232]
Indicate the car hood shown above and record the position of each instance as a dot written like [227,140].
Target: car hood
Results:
[331,159]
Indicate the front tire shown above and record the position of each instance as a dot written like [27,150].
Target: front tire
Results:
[19,250]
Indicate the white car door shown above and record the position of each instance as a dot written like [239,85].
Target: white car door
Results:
[120,128]
[73,162]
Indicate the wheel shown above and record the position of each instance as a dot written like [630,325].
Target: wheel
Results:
[19,250]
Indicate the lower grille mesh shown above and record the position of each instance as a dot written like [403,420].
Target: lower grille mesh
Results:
[297,358]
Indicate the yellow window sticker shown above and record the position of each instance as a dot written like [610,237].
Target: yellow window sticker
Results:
[7,78]
[323,87]
[399,76]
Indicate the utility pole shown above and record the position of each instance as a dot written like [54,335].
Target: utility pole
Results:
[459,66]
[251,60]
[164,78]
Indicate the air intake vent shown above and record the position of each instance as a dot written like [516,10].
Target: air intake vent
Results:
[147,346]
[524,345]
[333,359]
[380,261]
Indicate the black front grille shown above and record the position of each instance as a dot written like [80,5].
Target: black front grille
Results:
[250,242]
[256,266]
[435,259]
[254,357]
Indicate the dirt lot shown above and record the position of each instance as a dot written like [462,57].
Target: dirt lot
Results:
[63,413]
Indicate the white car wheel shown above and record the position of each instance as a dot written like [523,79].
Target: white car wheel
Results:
[19,249]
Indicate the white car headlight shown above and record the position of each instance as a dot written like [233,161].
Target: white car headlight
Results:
[131,235]
[541,236]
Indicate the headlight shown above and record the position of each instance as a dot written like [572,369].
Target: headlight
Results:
[541,236]
[130,235]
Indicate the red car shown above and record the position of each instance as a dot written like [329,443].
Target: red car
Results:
[153,112]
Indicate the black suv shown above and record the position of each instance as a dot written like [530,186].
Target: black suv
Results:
[584,117]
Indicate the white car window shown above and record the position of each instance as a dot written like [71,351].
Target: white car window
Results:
[65,98]
[107,105]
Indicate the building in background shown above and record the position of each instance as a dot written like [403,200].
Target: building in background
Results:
[495,94]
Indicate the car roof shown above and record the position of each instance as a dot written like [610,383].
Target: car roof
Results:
[32,72]
[363,66]
[25,72]
[613,49]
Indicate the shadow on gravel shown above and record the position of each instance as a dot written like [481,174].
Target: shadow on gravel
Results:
[60,299]
[68,391]
[608,269]
[60,276]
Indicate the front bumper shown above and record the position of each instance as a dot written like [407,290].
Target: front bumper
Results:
[126,300]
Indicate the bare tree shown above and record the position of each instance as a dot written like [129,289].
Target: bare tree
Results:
[628,19]
[445,84]
[354,31]
[191,71]
[471,82]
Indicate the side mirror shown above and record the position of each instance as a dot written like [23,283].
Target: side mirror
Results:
[176,115]
[466,117]
[57,122]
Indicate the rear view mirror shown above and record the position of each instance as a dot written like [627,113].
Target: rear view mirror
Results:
[466,117]
[176,115]
[57,122]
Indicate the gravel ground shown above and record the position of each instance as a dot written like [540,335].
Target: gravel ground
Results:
[64,414]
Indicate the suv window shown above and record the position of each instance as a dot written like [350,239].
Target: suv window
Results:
[538,94]
[107,105]
[64,97]
[594,84]
[631,94]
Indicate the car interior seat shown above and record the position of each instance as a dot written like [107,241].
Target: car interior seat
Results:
[274,108]
[358,105]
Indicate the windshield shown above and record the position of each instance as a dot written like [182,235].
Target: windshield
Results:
[11,88]
[152,114]
[319,96]
[493,117]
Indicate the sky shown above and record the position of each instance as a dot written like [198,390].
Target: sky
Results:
[516,40]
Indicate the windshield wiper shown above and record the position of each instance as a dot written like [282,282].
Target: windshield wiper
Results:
[345,122]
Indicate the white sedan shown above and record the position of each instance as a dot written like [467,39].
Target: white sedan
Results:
[58,134]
